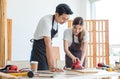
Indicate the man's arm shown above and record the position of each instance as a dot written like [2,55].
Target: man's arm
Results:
[49,51]
[49,55]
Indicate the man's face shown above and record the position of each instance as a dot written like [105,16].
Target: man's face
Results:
[62,18]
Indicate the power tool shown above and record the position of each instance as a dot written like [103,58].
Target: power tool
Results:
[77,65]
[13,70]
[9,69]
[103,65]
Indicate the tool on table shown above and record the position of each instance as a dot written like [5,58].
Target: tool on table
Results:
[9,68]
[103,65]
[77,65]
[13,70]
[110,69]
[30,74]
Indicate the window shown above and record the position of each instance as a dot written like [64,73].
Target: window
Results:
[109,9]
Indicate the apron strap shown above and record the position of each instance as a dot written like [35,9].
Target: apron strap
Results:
[53,20]
[32,40]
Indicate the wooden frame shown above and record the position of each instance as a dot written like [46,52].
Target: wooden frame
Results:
[3,35]
[9,42]
[98,45]
[9,37]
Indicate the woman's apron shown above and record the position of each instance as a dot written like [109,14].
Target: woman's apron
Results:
[76,51]
[38,52]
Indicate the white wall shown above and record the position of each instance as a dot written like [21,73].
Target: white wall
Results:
[26,14]
[110,12]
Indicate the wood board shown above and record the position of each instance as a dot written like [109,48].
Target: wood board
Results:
[87,70]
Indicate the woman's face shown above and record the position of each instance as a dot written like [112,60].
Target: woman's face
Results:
[77,29]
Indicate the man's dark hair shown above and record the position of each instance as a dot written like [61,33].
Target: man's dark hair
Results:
[63,9]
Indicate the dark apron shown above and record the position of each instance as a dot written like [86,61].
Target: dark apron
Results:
[76,51]
[38,52]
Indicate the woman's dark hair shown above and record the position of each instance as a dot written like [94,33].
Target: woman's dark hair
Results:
[63,9]
[79,21]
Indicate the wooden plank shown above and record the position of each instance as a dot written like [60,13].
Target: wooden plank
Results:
[98,40]
[94,43]
[9,39]
[91,53]
[3,34]
[85,71]
[9,36]
[103,52]
[86,23]
[107,42]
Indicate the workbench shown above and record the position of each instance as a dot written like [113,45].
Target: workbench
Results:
[75,75]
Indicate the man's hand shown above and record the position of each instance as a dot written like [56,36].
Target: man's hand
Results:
[53,69]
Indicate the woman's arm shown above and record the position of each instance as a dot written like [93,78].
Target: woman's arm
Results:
[69,54]
[84,48]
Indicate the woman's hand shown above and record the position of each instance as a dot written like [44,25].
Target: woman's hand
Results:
[53,69]
[75,59]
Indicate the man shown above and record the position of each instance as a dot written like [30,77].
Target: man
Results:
[47,29]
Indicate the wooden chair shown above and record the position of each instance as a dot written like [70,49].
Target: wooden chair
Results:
[98,45]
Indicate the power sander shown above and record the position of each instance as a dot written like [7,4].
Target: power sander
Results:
[77,65]
[13,70]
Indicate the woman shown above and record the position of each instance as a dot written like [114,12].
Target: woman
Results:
[75,43]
